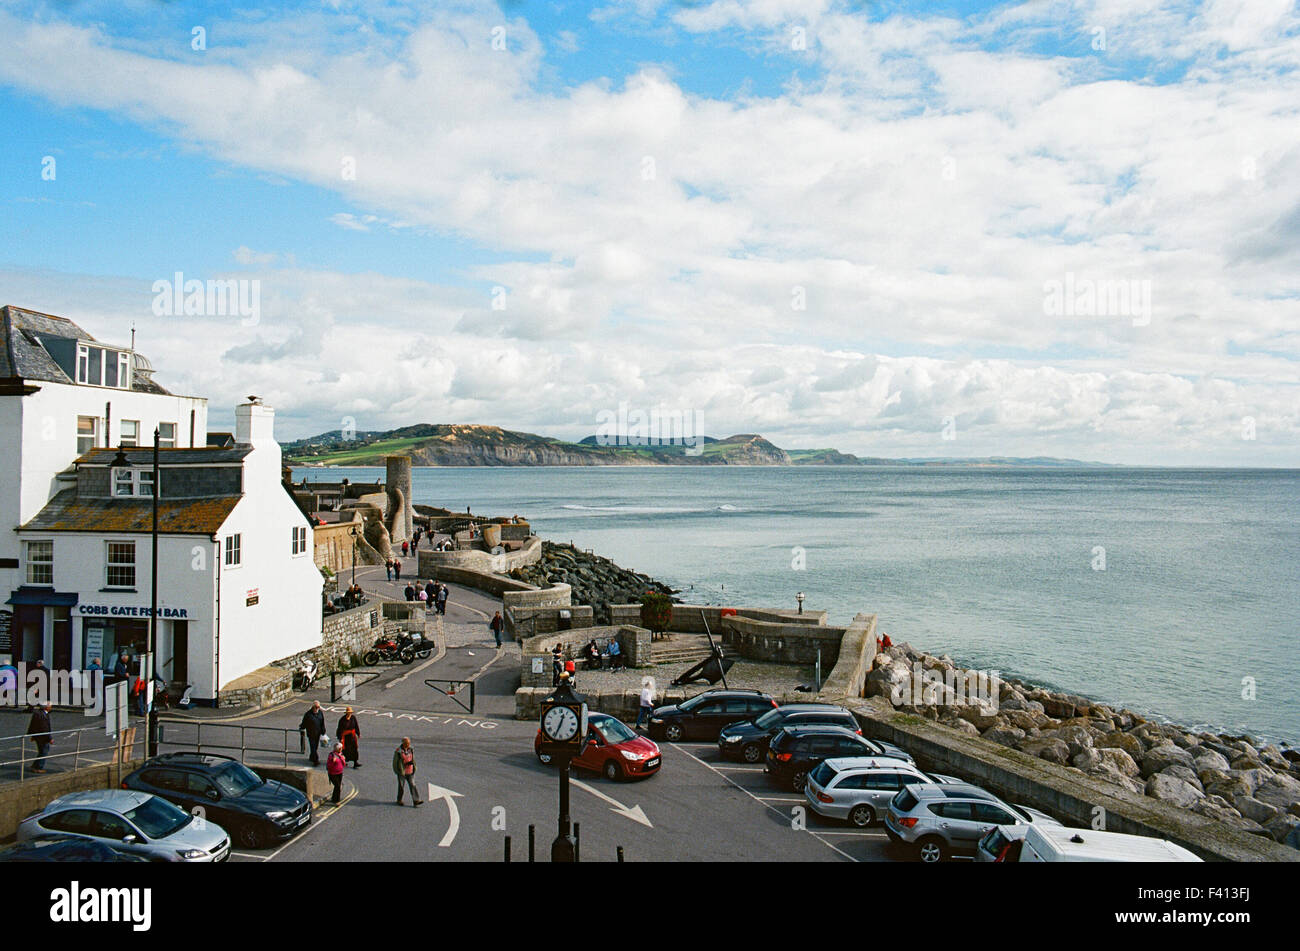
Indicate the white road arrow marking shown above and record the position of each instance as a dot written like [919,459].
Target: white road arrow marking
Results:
[437,792]
[633,812]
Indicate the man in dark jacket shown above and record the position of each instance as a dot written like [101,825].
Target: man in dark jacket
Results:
[122,669]
[38,728]
[313,724]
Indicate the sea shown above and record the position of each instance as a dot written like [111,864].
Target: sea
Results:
[1173,592]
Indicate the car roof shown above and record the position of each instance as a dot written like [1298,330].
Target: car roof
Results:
[812,708]
[1095,845]
[190,758]
[866,764]
[732,692]
[819,728]
[951,791]
[119,800]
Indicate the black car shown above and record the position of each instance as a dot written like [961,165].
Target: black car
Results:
[797,750]
[705,714]
[255,811]
[748,740]
[66,848]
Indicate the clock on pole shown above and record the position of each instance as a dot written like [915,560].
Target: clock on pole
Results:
[564,729]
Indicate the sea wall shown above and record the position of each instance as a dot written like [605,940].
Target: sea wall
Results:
[536,652]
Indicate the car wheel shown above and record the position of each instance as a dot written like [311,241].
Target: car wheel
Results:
[612,772]
[931,849]
[370,658]
[544,759]
[751,753]
[249,836]
[862,816]
[674,733]
[799,780]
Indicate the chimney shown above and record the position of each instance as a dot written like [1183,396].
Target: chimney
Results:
[254,423]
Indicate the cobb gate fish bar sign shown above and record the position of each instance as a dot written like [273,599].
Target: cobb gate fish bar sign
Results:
[129,610]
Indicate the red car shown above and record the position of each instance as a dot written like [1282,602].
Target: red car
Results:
[613,749]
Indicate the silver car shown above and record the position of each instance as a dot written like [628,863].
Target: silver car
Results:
[940,819]
[131,821]
[857,789]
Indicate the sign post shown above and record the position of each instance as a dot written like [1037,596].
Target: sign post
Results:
[564,731]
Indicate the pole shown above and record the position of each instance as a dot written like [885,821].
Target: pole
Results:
[532,854]
[564,848]
[152,743]
[577,842]
[507,848]
[620,854]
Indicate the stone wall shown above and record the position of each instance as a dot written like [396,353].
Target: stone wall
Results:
[785,643]
[333,546]
[479,560]
[528,621]
[691,618]
[347,635]
[634,642]
[268,693]
[848,677]
[493,584]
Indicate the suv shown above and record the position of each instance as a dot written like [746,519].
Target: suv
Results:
[858,790]
[938,820]
[797,750]
[705,714]
[748,740]
[257,811]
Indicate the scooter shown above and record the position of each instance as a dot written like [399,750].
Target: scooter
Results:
[304,674]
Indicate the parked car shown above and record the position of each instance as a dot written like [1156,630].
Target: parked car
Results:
[613,749]
[257,811]
[1047,843]
[938,820]
[66,848]
[748,739]
[797,750]
[703,716]
[857,790]
[133,821]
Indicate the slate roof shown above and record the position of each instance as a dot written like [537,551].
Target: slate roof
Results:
[143,455]
[68,513]
[22,356]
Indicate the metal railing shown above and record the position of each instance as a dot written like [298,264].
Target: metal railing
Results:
[90,742]
[232,737]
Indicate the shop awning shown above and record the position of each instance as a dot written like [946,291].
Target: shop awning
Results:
[44,597]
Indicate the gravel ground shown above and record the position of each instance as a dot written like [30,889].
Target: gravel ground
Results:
[749,674]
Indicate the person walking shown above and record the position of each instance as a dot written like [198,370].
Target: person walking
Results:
[313,724]
[431,593]
[388,569]
[557,665]
[442,598]
[406,547]
[497,624]
[423,596]
[38,728]
[349,734]
[409,592]
[647,701]
[397,570]
[334,766]
[404,769]
[122,669]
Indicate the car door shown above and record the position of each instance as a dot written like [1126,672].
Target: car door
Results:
[956,823]
[703,720]
[882,787]
[202,798]
[70,821]
[593,751]
[732,710]
[820,748]
[986,815]
[112,829]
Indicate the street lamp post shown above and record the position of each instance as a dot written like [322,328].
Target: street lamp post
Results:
[799,597]
[354,555]
[563,723]
[153,605]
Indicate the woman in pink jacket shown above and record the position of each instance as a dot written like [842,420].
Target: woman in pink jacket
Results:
[335,764]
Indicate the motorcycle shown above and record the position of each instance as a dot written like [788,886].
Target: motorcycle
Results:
[416,641]
[304,674]
[386,648]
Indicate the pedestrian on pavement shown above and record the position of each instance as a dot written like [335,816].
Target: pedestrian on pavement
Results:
[442,598]
[406,546]
[94,664]
[557,665]
[404,768]
[409,592]
[431,593]
[571,669]
[397,570]
[313,724]
[497,624]
[647,701]
[122,669]
[334,766]
[349,734]
[422,596]
[38,728]
[388,569]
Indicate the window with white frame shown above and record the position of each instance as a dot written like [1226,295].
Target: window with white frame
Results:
[299,539]
[119,562]
[99,366]
[128,483]
[87,434]
[166,435]
[40,562]
[233,544]
[130,433]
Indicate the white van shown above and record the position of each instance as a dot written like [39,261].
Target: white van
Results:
[1045,843]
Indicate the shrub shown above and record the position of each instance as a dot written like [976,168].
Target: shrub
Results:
[656,611]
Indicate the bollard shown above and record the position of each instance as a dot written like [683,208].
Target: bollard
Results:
[620,854]
[577,842]
[531,851]
[507,848]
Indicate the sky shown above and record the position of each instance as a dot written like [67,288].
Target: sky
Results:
[895,229]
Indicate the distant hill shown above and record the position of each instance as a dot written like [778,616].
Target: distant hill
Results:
[445,444]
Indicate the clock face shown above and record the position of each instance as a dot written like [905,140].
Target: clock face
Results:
[560,724]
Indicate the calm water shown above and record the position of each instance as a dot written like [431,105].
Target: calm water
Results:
[1201,586]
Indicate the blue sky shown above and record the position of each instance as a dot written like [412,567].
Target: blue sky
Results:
[831,222]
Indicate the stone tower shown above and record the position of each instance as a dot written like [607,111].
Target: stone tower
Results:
[401,517]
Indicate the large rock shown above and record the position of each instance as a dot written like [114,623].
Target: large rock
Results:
[1158,758]
[1171,789]
[1025,719]
[1273,757]
[1007,736]
[965,727]
[1232,788]
[1110,774]
[1279,791]
[983,715]
[1017,702]
[1185,773]
[1281,827]
[884,681]
[1204,758]
[1127,742]
[1119,761]
[1087,760]
[1050,749]
[1252,808]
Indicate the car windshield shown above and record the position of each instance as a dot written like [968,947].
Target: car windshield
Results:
[904,801]
[236,779]
[770,719]
[1021,813]
[692,703]
[157,818]
[823,775]
[615,731]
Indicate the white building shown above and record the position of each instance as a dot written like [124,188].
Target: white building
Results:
[237,586]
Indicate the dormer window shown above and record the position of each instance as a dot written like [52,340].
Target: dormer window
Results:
[100,366]
[132,483]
